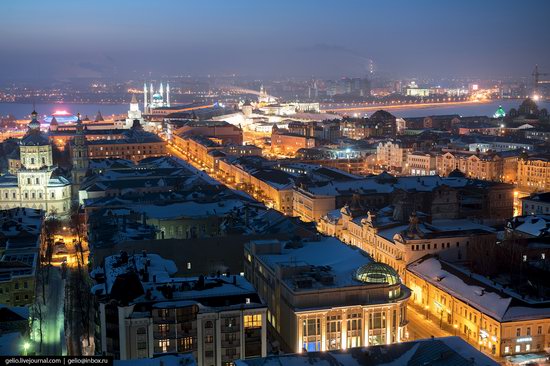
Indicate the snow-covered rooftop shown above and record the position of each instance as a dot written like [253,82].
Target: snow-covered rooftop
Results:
[534,226]
[341,259]
[157,266]
[499,303]
[385,183]
[185,359]
[190,209]
[440,351]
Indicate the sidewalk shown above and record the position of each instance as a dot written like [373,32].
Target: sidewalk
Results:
[422,320]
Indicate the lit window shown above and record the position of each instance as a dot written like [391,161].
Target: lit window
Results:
[253,321]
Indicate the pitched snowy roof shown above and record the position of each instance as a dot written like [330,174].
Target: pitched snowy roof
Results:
[157,266]
[495,301]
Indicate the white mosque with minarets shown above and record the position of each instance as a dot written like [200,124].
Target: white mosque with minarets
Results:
[155,99]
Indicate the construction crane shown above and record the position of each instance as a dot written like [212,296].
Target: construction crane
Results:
[536,75]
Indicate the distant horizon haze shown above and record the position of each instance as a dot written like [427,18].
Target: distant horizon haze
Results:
[61,39]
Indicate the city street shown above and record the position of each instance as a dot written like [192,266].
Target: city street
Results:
[419,327]
[53,319]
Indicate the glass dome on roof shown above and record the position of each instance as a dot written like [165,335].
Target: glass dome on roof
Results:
[377,273]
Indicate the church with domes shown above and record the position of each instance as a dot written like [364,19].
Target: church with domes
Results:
[36,183]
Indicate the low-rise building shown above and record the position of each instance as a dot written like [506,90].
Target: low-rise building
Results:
[143,311]
[324,295]
[483,312]
[444,351]
[286,143]
[534,173]
[535,204]
[420,163]
[396,243]
[449,197]
[21,241]
[135,145]
[223,131]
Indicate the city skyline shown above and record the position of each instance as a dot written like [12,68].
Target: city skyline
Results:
[244,183]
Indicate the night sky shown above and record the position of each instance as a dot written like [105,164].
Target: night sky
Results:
[130,38]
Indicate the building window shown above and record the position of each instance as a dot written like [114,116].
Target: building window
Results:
[141,330]
[142,345]
[528,331]
[186,344]
[208,324]
[164,328]
[208,339]
[253,321]
[164,344]
[518,332]
[311,334]
[518,348]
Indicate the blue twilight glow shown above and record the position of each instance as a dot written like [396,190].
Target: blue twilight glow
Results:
[66,38]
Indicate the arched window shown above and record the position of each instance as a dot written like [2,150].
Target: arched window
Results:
[208,324]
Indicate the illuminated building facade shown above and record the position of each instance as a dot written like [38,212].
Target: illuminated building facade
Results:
[324,295]
[420,163]
[534,174]
[36,184]
[135,144]
[397,243]
[286,143]
[495,319]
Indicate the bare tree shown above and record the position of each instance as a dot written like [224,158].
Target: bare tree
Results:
[37,307]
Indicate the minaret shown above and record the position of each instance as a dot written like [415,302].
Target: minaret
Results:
[161,91]
[144,97]
[168,94]
[151,95]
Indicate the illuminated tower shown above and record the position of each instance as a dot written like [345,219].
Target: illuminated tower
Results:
[161,91]
[151,92]
[168,94]
[144,97]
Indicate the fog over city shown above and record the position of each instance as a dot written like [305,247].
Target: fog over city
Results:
[65,39]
